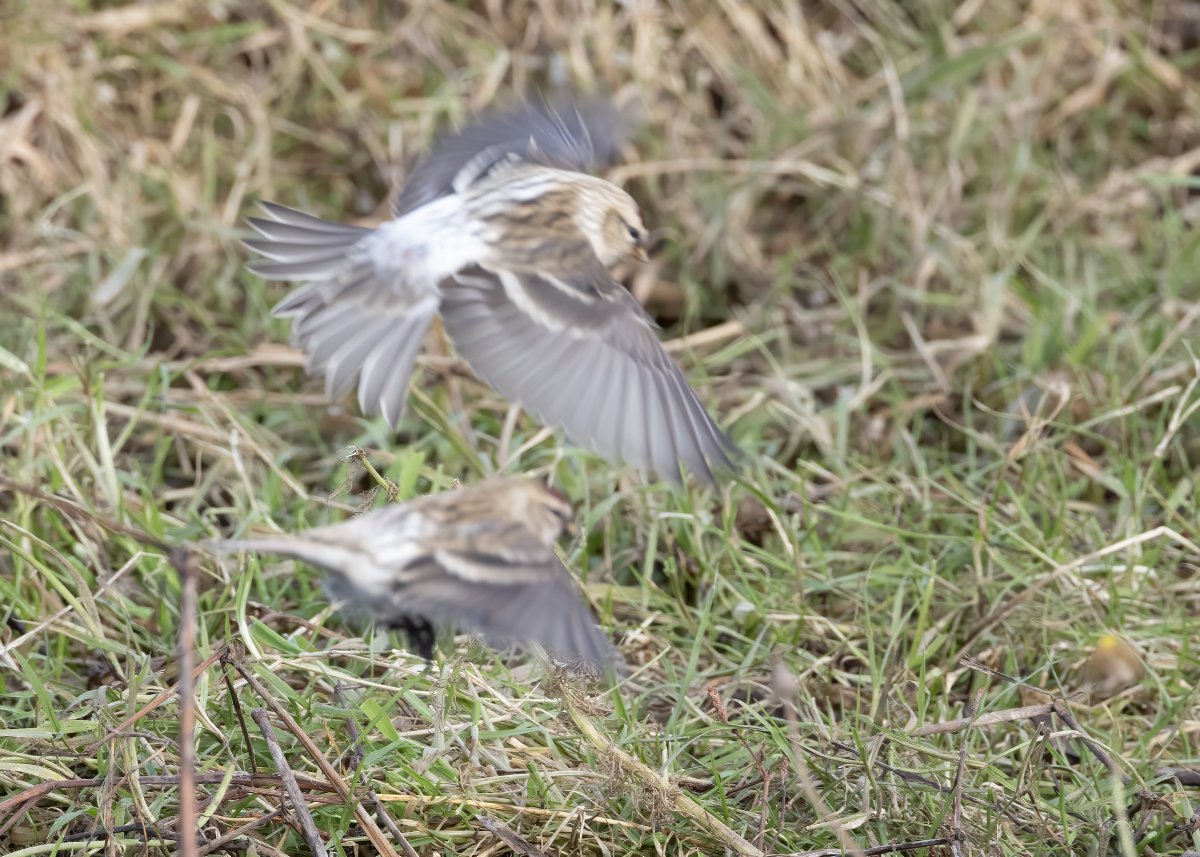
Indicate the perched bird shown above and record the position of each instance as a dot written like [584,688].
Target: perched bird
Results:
[502,232]
[1113,665]
[480,558]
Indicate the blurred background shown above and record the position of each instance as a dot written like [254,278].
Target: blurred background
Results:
[933,264]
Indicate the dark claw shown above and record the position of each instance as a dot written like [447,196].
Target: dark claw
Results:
[420,633]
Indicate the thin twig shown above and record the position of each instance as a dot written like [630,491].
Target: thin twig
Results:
[33,794]
[784,685]
[1065,715]
[957,787]
[147,832]
[1057,706]
[372,830]
[714,699]
[565,814]
[890,848]
[307,826]
[237,709]
[906,776]
[682,803]
[184,564]
[128,722]
[989,719]
[226,838]
[718,334]
[355,760]
[360,455]
[506,436]
[783,799]
[1188,777]
[509,837]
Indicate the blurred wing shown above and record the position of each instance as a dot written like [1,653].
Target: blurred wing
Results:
[349,318]
[500,582]
[583,355]
[565,136]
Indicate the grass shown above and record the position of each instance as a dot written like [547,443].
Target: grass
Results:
[962,242]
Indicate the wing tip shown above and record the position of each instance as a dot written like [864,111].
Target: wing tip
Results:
[274,210]
[602,661]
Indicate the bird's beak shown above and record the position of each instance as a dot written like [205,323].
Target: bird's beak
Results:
[639,253]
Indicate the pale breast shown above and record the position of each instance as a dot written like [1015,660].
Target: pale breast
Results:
[427,245]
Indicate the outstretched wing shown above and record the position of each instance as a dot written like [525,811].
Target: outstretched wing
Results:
[566,136]
[581,353]
[498,580]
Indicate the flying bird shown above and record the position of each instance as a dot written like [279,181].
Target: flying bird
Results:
[480,558]
[502,232]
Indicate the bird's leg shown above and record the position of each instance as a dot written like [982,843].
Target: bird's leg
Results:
[420,634]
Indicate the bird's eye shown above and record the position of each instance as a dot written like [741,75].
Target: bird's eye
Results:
[634,234]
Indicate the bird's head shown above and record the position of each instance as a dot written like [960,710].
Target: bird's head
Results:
[547,511]
[613,225]
[520,500]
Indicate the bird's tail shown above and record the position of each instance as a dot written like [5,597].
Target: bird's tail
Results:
[331,557]
[298,246]
[347,318]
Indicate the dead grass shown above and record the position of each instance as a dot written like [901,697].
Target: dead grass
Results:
[959,243]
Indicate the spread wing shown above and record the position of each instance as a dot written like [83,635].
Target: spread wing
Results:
[350,321]
[579,351]
[501,582]
[566,136]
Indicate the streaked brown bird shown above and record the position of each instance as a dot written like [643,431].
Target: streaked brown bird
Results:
[501,231]
[480,558]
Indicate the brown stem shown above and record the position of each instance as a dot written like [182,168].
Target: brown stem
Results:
[307,826]
[374,833]
[681,802]
[185,565]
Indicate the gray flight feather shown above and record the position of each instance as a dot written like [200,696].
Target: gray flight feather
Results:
[566,136]
[636,406]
